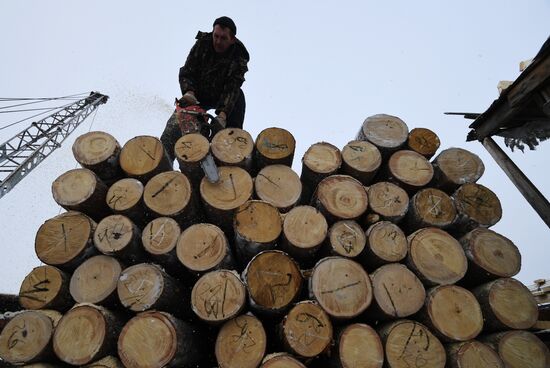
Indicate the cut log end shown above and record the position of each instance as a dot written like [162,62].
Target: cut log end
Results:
[233,189]
[201,247]
[432,207]
[75,187]
[191,148]
[281,360]
[305,227]
[258,221]
[457,166]
[360,346]
[361,160]
[423,141]
[124,194]
[278,185]
[388,200]
[241,343]
[143,155]
[233,146]
[384,131]
[160,236]
[42,286]
[387,242]
[168,193]
[472,354]
[478,204]
[341,197]
[276,145]
[93,148]
[140,286]
[322,158]
[347,239]
[114,233]
[519,349]
[410,169]
[95,279]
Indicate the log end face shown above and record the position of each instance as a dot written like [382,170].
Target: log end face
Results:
[493,252]
[95,279]
[40,287]
[191,148]
[423,141]
[387,241]
[258,221]
[232,146]
[477,354]
[513,304]
[94,147]
[140,286]
[278,185]
[168,193]
[322,158]
[241,343]
[233,190]
[141,155]
[362,156]
[160,236]
[305,227]
[201,247]
[411,168]
[523,349]
[342,197]
[478,203]
[113,234]
[360,346]
[275,143]
[347,238]
[74,187]
[124,194]
[459,166]
[385,131]
[388,200]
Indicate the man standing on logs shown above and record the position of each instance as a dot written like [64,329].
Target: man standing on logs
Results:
[212,76]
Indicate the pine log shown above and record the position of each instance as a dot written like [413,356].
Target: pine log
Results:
[410,170]
[430,207]
[386,243]
[157,339]
[274,146]
[85,334]
[258,226]
[345,239]
[423,141]
[320,160]
[490,256]
[233,147]
[159,239]
[278,185]
[340,197]
[361,160]
[46,287]
[190,150]
[66,240]
[107,362]
[99,152]
[507,304]
[273,281]
[387,200]
[388,133]
[118,236]
[436,257]
[95,281]
[357,345]
[241,343]
[519,349]
[341,287]
[125,197]
[143,157]
[281,360]
[410,344]
[306,330]
[472,354]
[454,167]
[476,206]
[81,190]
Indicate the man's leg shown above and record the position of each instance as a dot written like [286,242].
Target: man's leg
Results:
[236,118]
[170,136]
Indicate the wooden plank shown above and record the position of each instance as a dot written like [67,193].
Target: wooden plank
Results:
[537,74]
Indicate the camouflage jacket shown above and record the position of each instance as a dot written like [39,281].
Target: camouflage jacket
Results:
[215,78]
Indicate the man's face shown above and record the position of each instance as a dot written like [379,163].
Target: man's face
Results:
[222,38]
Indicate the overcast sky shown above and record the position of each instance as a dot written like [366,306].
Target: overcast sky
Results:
[317,69]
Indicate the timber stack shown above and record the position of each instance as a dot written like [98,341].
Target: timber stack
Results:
[379,254]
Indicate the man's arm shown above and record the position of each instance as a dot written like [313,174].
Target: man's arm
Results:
[232,86]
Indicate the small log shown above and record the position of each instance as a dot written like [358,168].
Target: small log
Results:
[218,296]
[452,313]
[125,197]
[81,190]
[66,240]
[157,339]
[519,349]
[191,149]
[46,287]
[472,354]
[306,330]
[357,345]
[430,207]
[386,243]
[340,197]
[320,160]
[410,170]
[278,185]
[454,167]
[143,157]
[274,146]
[107,362]
[436,257]
[387,200]
[281,360]
[273,281]
[388,133]
[99,152]
[476,206]
[490,256]
[423,141]
[507,304]
[159,239]
[341,287]
[410,344]
[85,334]
[361,160]
[118,236]
[241,343]
[346,239]
[233,147]
[258,226]
[304,230]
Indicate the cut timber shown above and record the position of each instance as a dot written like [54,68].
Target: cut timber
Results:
[125,197]
[361,160]
[410,344]
[341,286]
[436,257]
[358,345]
[320,160]
[81,190]
[204,247]
[430,207]
[388,200]
[386,243]
[157,339]
[490,256]
[257,226]
[241,343]
[476,206]
[281,360]
[273,281]
[65,241]
[507,304]
[423,141]
[46,287]
[397,292]
[452,313]
[95,281]
[218,296]
[386,132]
[99,152]
[304,230]
[233,147]
[143,157]
[107,362]
[118,236]
[472,354]
[410,170]
[159,239]
[306,330]
[85,334]
[27,338]
[274,146]
[456,166]
[340,197]
[191,149]
[346,239]
[278,185]
[519,349]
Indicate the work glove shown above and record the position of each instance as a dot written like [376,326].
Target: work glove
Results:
[190,99]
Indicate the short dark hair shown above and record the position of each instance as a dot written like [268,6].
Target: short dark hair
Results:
[226,22]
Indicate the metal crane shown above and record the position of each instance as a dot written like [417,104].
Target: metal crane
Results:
[22,153]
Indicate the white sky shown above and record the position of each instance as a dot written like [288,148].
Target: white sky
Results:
[317,69]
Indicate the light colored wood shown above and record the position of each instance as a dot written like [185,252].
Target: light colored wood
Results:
[386,132]
[519,349]
[456,166]
[340,197]
[118,236]
[358,345]
[386,243]
[159,239]
[99,152]
[95,281]
[190,150]
[410,170]
[341,286]
[476,206]
[281,360]
[346,239]
[319,161]
[472,354]
[125,197]
[430,207]
[423,141]
[278,185]
[233,147]
[241,343]
[46,287]
[304,230]
[361,160]
[274,146]
[107,362]
[388,200]
[143,157]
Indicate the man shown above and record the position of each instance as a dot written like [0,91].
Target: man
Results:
[212,77]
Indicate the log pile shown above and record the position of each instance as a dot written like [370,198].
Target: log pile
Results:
[374,256]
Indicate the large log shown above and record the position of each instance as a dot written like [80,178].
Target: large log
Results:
[388,133]
[386,243]
[190,150]
[454,167]
[357,345]
[125,197]
[476,206]
[46,287]
[430,207]
[346,239]
[274,146]
[66,240]
[423,141]
[340,197]
[118,236]
[472,354]
[361,160]
[281,360]
[519,349]
[99,152]
[319,161]
[410,170]
[278,185]
[388,201]
[233,147]
[143,157]
[159,239]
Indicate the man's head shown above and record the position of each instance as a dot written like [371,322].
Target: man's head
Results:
[223,34]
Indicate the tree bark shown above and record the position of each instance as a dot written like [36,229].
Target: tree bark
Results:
[320,160]
[278,185]
[472,354]
[143,157]
[386,243]
[357,345]
[340,197]
[388,133]
[159,239]
[125,197]
[387,200]
[476,206]
[361,160]
[519,349]
[423,141]
[410,170]
[99,152]
[430,207]
[233,147]
[118,236]
[274,146]
[454,167]
[190,150]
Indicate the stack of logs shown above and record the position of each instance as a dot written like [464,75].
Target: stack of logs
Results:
[374,256]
